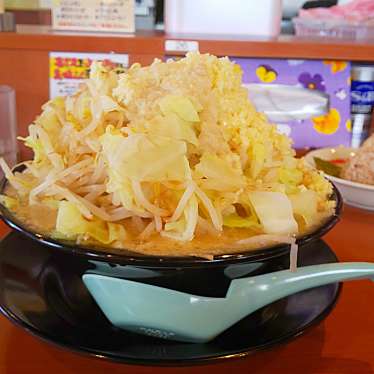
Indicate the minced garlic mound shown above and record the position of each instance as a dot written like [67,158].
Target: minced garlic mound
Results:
[172,149]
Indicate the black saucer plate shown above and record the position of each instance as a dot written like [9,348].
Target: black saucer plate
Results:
[34,296]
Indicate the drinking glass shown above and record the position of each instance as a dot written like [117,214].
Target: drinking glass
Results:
[8,126]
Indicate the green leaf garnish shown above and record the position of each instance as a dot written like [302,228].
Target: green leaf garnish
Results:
[327,167]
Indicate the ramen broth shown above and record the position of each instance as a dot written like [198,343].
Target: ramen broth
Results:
[41,219]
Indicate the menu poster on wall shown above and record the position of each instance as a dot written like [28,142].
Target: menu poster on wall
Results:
[94,15]
[67,70]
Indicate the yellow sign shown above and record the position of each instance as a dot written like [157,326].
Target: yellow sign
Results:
[67,70]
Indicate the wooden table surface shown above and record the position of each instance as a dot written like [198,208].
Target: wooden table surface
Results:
[343,343]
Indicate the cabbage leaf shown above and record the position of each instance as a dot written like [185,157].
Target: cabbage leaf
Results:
[181,106]
[220,174]
[274,211]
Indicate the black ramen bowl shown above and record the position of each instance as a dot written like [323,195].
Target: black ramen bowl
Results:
[188,274]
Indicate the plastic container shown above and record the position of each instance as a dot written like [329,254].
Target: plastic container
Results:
[333,28]
[235,17]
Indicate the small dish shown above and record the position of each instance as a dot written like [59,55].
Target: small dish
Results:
[356,194]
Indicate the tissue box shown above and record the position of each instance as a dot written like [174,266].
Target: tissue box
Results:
[308,99]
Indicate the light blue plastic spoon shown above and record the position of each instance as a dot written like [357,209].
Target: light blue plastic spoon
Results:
[175,315]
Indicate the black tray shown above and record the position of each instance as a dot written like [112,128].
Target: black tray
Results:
[41,291]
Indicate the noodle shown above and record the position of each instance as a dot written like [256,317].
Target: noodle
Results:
[210,208]
[147,232]
[142,200]
[183,202]
[293,255]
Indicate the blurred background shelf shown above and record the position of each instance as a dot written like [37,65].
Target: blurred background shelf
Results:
[42,38]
